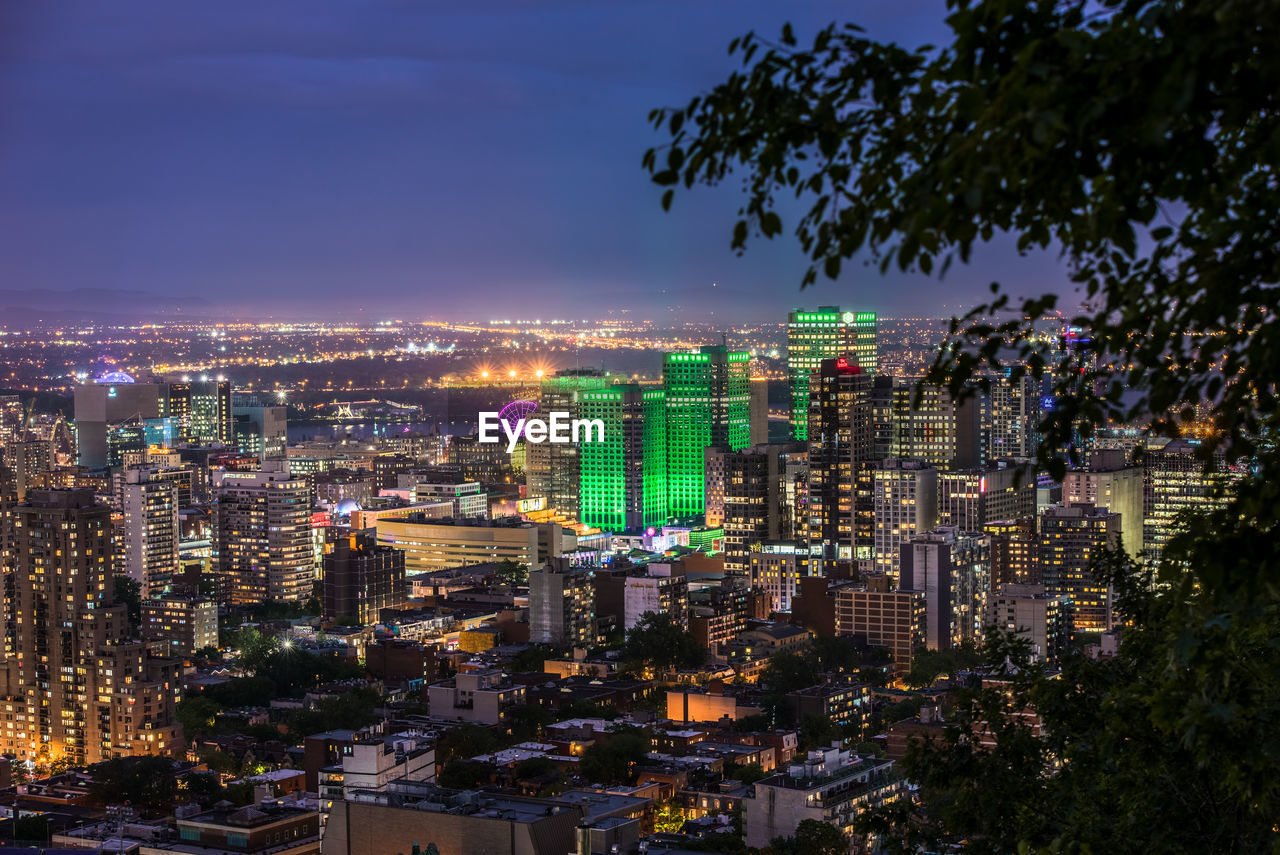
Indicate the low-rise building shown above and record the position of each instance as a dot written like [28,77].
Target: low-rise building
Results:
[184,624]
[830,786]
[483,697]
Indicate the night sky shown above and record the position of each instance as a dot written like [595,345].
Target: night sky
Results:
[405,159]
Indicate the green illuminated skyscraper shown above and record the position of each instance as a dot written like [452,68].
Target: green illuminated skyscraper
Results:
[708,398]
[552,470]
[824,334]
[624,478]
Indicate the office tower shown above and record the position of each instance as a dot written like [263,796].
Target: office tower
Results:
[562,604]
[882,617]
[1015,551]
[970,498]
[936,429]
[954,572]
[1043,619]
[905,504]
[794,494]
[624,480]
[184,624]
[713,485]
[262,534]
[1110,483]
[72,659]
[753,500]
[759,411]
[1011,418]
[151,532]
[1176,483]
[824,334]
[1072,536]
[260,431]
[202,409]
[841,516]
[708,403]
[98,405]
[360,578]
[553,470]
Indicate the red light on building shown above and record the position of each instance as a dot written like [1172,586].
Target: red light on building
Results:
[320,520]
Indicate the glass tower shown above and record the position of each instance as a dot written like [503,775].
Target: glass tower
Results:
[708,402]
[824,334]
[624,478]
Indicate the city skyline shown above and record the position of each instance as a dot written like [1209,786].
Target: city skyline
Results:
[374,160]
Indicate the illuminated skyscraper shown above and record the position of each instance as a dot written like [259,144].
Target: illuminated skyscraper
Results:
[1015,551]
[841,456]
[262,534]
[80,690]
[1176,482]
[553,469]
[708,395]
[954,572]
[150,529]
[824,334]
[905,505]
[754,499]
[203,410]
[1011,418]
[936,429]
[1071,536]
[624,480]
[1109,482]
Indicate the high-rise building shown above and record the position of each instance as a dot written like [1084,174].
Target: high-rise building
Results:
[905,505]
[262,534]
[935,429]
[749,485]
[27,459]
[1177,482]
[261,431]
[202,409]
[708,403]
[562,604]
[776,570]
[151,532]
[185,624]
[8,556]
[759,411]
[1015,551]
[100,405]
[553,470]
[1071,537]
[1109,482]
[624,483]
[876,615]
[1011,418]
[841,516]
[953,570]
[1043,619]
[360,578]
[825,334]
[970,498]
[79,690]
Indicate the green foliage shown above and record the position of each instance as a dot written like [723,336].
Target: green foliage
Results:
[748,773]
[613,761]
[811,838]
[928,665]
[33,828]
[129,591]
[662,644]
[532,658]
[525,723]
[241,692]
[464,774]
[148,783]
[1140,140]
[196,714]
[512,572]
[534,767]
[466,740]
[202,788]
[351,710]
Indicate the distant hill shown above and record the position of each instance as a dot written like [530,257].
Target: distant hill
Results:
[26,308]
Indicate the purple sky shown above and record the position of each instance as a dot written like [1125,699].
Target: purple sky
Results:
[466,159]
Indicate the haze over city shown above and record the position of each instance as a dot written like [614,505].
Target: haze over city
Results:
[296,161]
